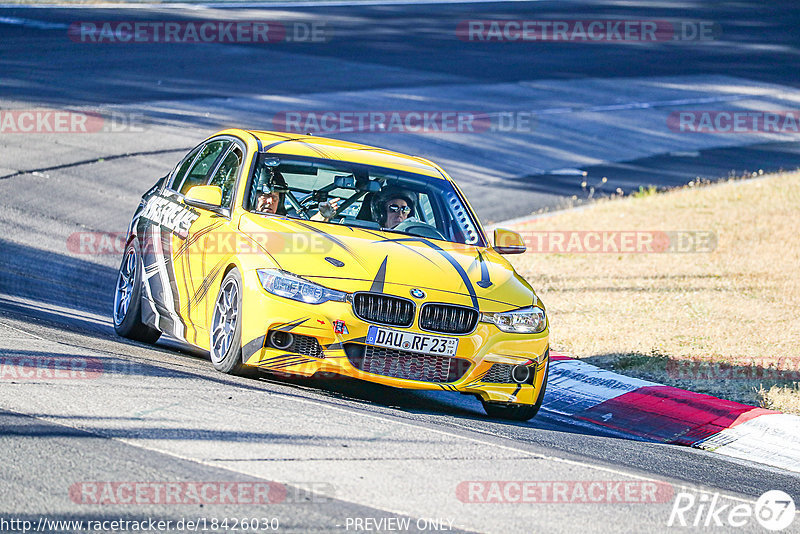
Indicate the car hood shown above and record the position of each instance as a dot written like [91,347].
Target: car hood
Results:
[355,259]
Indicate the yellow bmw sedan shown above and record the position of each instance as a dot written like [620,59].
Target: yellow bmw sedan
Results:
[309,256]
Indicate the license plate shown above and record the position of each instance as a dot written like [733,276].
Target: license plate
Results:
[411,341]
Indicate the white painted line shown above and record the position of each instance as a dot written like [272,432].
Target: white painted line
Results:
[646,105]
[395,420]
[568,172]
[401,419]
[30,23]
[256,5]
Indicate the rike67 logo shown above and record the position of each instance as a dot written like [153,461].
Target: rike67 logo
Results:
[774,511]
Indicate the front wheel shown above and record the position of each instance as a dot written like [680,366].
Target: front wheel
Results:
[517,412]
[226,326]
[128,299]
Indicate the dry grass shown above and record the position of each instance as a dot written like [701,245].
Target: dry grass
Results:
[654,315]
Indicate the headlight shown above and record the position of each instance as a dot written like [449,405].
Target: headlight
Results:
[530,320]
[293,287]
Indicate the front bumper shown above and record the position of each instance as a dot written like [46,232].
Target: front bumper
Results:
[482,359]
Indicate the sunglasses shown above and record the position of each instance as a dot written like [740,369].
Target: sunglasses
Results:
[394,208]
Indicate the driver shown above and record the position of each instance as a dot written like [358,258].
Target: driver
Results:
[267,202]
[271,193]
[392,206]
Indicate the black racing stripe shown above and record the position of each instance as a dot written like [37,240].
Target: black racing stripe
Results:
[202,291]
[326,234]
[187,270]
[519,387]
[380,278]
[383,239]
[286,139]
[485,281]
[284,358]
[288,327]
[258,141]
[206,284]
[319,150]
[459,269]
[253,346]
[169,267]
[193,238]
[300,361]
[302,141]
[478,379]
[257,244]
[332,238]
[277,360]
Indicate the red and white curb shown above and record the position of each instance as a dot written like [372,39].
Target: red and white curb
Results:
[588,395]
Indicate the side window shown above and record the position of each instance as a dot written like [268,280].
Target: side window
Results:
[225,177]
[427,209]
[177,177]
[198,174]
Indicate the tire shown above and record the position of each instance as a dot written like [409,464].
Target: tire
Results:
[517,412]
[226,327]
[127,315]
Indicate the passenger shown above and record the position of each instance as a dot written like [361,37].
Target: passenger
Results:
[392,207]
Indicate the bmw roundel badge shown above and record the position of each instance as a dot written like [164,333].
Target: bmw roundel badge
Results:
[417,293]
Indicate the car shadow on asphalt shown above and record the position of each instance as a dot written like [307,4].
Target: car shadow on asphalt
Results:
[432,403]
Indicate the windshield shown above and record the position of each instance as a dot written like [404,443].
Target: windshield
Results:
[361,196]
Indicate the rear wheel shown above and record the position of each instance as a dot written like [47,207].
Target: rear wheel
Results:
[128,299]
[517,412]
[226,326]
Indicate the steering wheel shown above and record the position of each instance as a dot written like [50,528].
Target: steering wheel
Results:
[418,228]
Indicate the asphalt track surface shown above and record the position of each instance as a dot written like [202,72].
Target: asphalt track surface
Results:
[345,450]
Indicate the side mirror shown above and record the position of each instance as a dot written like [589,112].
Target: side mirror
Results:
[206,197]
[508,242]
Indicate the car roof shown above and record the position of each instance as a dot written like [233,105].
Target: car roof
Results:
[335,149]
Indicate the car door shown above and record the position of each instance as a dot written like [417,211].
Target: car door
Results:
[172,227]
[211,242]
